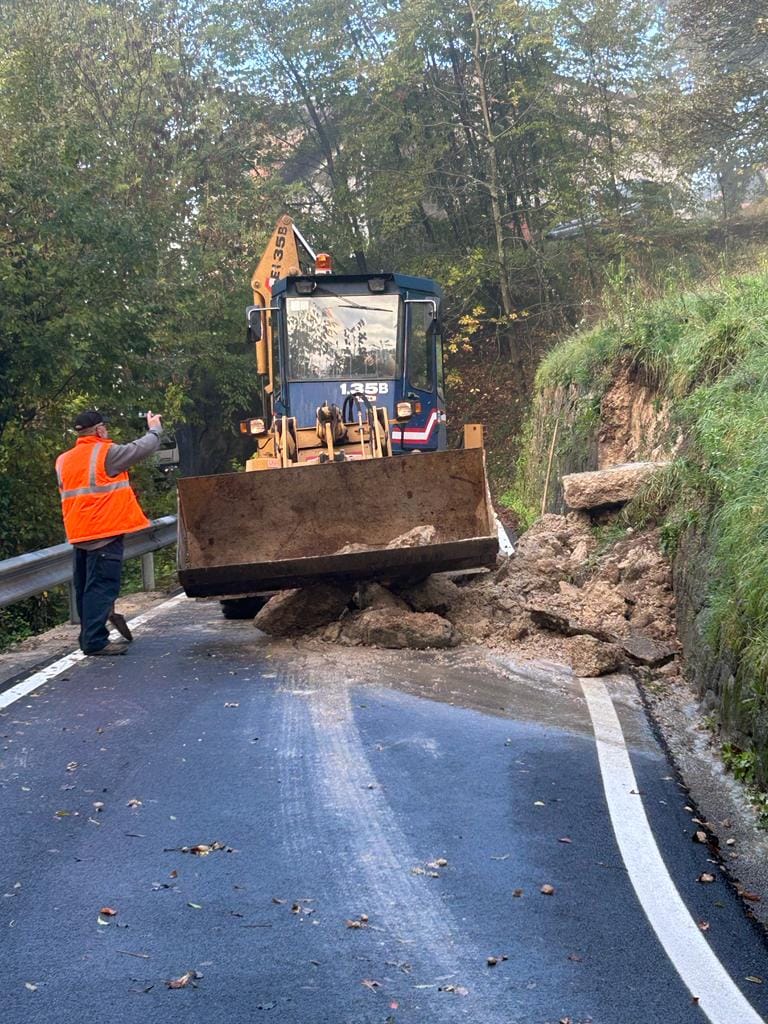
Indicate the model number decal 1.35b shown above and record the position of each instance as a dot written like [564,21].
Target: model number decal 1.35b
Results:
[364,388]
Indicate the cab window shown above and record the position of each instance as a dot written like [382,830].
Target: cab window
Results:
[419,345]
[440,365]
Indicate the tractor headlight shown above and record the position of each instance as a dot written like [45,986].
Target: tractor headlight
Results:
[256,426]
[404,410]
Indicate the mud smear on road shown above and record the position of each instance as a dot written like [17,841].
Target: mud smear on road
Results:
[539,692]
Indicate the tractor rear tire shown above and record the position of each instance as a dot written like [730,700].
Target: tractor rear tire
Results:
[242,607]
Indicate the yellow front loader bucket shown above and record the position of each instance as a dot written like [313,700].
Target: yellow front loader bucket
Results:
[244,533]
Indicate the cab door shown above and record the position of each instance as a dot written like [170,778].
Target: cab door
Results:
[420,377]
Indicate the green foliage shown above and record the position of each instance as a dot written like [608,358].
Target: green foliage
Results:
[585,360]
[744,766]
[525,514]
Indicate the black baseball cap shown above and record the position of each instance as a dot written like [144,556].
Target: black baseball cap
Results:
[89,418]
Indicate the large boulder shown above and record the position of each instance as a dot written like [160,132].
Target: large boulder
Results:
[293,612]
[591,657]
[381,627]
[435,594]
[417,537]
[373,595]
[613,486]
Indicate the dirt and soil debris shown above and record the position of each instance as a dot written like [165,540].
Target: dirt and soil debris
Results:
[596,598]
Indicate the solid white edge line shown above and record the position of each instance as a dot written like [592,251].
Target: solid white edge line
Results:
[44,675]
[691,955]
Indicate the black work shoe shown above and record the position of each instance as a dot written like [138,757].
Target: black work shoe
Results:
[118,621]
[110,648]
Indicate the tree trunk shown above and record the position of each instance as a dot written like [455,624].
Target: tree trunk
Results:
[494,188]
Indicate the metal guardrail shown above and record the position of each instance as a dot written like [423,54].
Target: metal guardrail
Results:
[32,573]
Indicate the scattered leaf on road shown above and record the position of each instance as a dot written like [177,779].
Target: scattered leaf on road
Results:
[754,979]
[181,982]
[517,892]
[704,926]
[458,990]
[565,839]
[72,766]
[575,958]
[493,960]
[134,802]
[276,900]
[705,877]
[371,984]
[547,890]
[189,977]
[265,1006]
[357,922]
[232,704]
[108,912]
[195,906]
[30,986]
[753,897]
[441,862]
[699,837]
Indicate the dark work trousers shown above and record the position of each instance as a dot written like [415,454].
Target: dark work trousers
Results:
[97,585]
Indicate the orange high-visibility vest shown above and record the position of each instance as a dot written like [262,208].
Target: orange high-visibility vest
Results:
[93,504]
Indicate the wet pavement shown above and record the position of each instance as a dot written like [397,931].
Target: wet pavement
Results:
[426,797]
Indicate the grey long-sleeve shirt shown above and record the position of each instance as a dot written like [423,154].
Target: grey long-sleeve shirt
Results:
[119,458]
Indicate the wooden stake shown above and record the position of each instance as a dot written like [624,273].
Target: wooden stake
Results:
[549,465]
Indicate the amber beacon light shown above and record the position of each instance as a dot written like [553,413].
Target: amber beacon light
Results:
[323,263]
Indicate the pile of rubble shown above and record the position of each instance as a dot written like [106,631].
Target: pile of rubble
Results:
[595,598]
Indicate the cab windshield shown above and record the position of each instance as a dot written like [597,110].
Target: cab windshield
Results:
[342,337]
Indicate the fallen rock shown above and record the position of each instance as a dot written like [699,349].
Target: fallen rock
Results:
[517,631]
[642,651]
[591,657]
[396,629]
[353,549]
[435,594]
[613,486]
[373,595]
[414,538]
[556,622]
[293,612]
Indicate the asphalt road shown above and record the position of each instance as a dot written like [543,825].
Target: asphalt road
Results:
[427,797]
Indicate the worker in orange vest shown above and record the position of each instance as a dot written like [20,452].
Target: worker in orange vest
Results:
[99,506]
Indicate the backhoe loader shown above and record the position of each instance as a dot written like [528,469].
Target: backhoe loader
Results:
[350,454]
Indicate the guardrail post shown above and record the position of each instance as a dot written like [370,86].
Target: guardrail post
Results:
[74,618]
[148,571]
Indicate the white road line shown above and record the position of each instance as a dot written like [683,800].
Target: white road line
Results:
[26,686]
[692,957]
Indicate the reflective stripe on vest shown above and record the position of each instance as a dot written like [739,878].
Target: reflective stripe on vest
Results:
[93,487]
[95,504]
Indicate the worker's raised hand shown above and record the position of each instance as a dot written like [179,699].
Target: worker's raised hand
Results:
[154,421]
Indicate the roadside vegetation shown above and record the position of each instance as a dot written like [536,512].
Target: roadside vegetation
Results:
[703,349]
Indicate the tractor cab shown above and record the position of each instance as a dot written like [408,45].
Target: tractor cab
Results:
[351,349]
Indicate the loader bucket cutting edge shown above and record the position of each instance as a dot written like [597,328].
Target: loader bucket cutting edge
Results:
[244,532]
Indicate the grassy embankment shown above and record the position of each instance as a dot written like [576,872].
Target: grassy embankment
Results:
[704,351]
